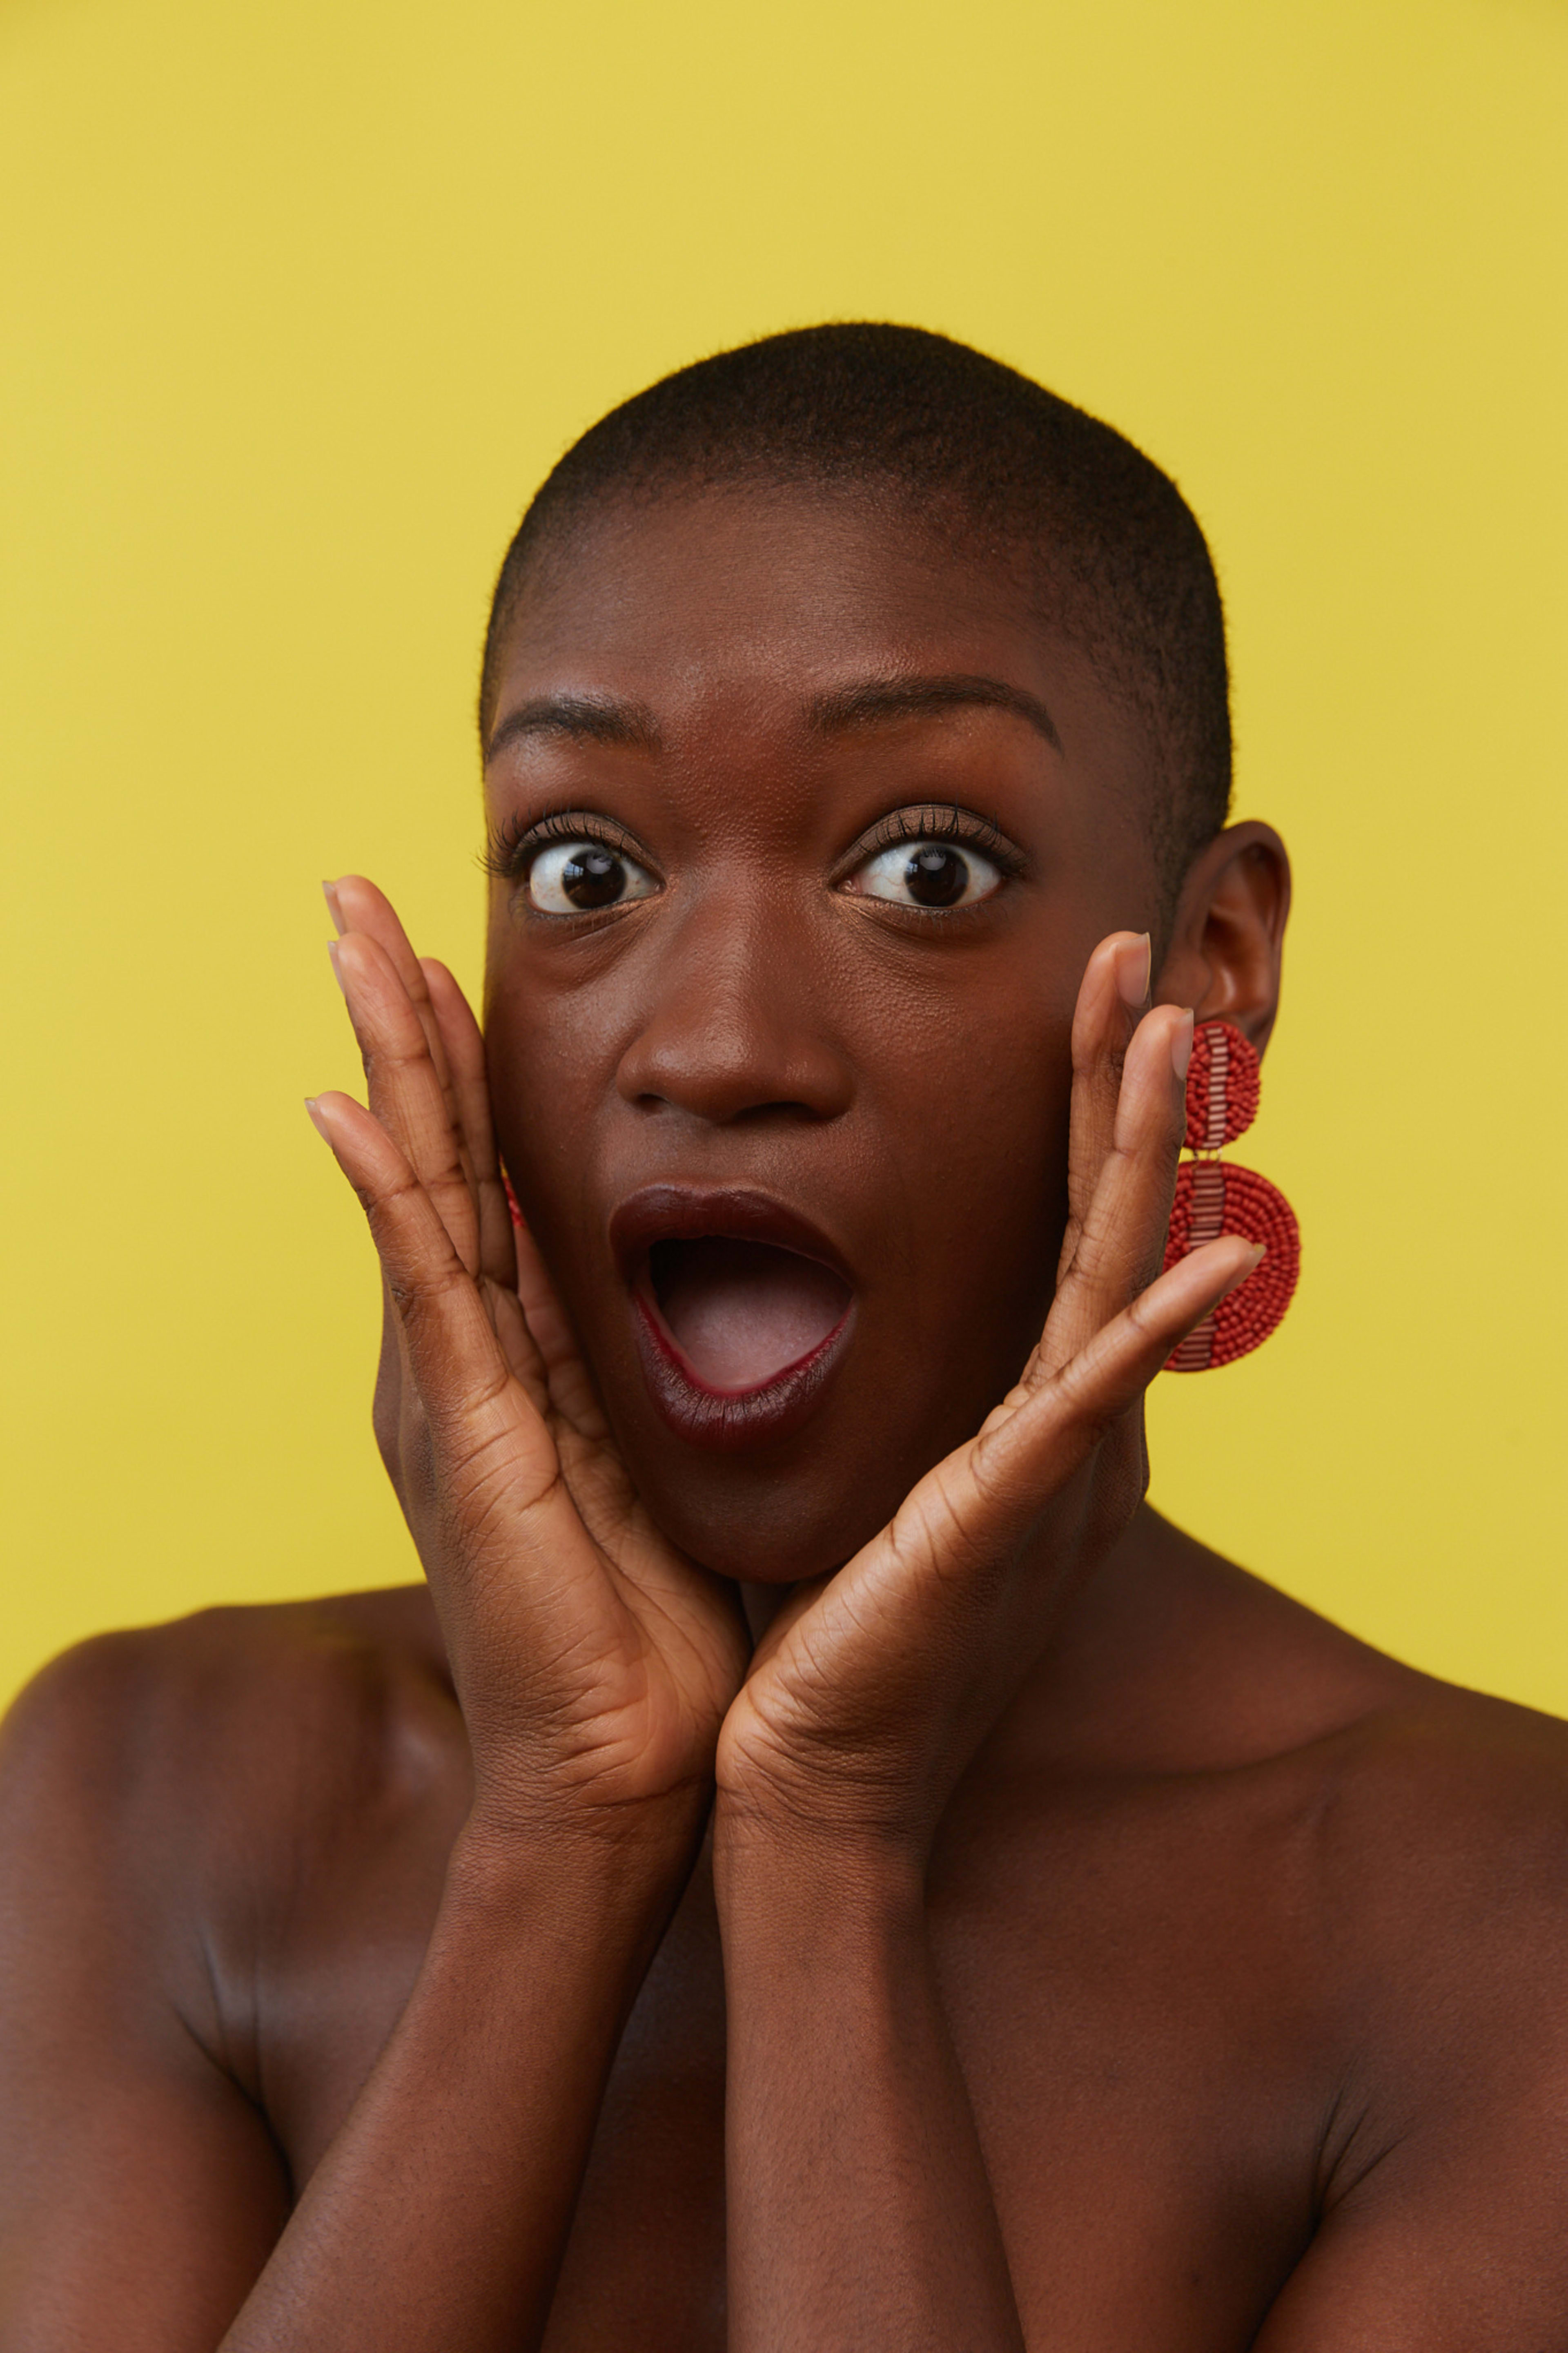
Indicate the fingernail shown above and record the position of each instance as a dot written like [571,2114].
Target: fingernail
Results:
[1255,1259]
[337,968]
[317,1121]
[1182,1046]
[1133,972]
[330,893]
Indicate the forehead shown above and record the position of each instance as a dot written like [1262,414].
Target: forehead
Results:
[768,603]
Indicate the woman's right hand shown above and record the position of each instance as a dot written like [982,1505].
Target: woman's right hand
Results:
[592,1662]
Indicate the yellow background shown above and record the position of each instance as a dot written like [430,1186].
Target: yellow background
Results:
[299,300]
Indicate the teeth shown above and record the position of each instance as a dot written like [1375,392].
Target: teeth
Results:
[742,1312]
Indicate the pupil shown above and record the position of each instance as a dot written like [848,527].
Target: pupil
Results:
[936,877]
[593,878]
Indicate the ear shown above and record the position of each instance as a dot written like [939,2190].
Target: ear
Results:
[1228,933]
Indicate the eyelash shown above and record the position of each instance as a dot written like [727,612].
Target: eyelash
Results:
[513,845]
[932,823]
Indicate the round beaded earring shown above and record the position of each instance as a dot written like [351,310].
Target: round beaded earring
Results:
[1214,1197]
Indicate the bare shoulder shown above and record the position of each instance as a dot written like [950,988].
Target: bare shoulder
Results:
[172,1776]
[234,1704]
[1422,1827]
[1376,1861]
[1433,1951]
[194,1821]
[1426,1825]
[1422,1791]
[1443,1828]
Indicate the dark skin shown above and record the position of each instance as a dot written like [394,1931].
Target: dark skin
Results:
[1014,1925]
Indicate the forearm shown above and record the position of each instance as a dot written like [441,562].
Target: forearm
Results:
[438,2216]
[860,2214]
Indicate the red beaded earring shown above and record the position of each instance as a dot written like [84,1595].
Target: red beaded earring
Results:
[1214,1198]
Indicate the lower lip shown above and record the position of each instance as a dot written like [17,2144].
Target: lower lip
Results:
[730,1420]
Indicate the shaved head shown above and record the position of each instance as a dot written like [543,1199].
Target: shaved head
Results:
[1097,537]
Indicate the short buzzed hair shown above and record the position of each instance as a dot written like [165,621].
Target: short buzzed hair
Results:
[1104,543]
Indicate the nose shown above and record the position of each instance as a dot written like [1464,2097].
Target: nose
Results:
[733,1027]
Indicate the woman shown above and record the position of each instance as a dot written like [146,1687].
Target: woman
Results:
[800,1873]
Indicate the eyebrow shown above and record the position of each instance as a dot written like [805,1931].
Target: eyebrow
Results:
[603,719]
[913,698]
[596,719]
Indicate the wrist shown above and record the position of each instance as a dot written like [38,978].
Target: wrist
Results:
[813,1883]
[873,1804]
[534,1811]
[542,1944]
[868,1823]
[619,1863]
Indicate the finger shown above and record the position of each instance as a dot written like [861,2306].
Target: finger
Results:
[1122,1235]
[356,905]
[458,1366]
[501,1241]
[970,1513]
[573,1392]
[508,1253]
[406,1095]
[499,1476]
[1038,1447]
[1114,991]
[464,1045]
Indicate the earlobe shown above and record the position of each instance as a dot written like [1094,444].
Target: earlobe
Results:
[1227,935]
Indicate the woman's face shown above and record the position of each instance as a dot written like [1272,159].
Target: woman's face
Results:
[808,832]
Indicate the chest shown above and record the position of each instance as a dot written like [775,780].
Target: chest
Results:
[1147,2104]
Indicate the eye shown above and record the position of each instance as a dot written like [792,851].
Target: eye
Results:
[575,878]
[928,874]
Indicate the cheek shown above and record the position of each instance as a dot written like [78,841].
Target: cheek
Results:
[550,1072]
[977,1132]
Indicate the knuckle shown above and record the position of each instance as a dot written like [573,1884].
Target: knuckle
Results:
[387,1062]
[450,1188]
[942,1543]
[410,1053]
[419,1292]
[1096,1398]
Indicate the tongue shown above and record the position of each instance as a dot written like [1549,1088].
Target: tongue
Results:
[742,1312]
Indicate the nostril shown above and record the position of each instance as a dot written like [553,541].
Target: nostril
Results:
[726,1079]
[720,1113]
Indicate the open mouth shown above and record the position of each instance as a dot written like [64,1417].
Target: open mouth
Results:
[743,1314]
[740,1309]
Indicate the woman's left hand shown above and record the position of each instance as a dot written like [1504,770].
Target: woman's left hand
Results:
[873,1687]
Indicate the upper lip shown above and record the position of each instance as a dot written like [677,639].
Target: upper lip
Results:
[676,1212]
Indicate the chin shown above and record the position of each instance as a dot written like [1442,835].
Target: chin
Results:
[776,1527]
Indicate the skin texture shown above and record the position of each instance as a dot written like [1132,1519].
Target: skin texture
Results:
[1014,1925]
[749,1025]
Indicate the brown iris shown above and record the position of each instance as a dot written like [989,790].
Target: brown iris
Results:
[936,876]
[592,876]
